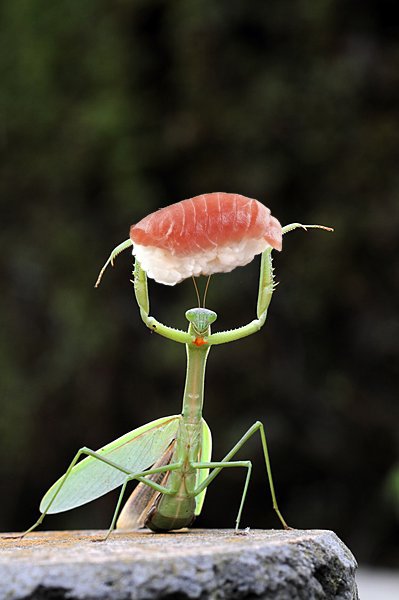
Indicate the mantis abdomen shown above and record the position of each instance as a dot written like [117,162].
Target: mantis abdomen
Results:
[171,512]
[176,509]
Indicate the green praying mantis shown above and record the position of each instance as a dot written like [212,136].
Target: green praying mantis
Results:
[170,457]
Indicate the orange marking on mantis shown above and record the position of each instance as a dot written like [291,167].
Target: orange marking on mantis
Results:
[199,341]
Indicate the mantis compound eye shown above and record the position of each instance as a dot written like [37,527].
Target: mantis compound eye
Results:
[201,318]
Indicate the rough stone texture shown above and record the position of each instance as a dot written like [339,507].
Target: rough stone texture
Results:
[214,564]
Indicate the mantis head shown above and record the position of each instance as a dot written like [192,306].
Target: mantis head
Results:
[201,319]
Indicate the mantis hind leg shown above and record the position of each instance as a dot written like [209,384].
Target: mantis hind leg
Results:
[140,476]
[82,451]
[258,426]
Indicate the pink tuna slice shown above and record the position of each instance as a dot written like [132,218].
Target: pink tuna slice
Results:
[203,235]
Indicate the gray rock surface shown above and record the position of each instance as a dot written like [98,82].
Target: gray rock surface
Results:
[214,564]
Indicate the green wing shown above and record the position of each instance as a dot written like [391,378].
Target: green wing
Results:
[91,478]
[206,452]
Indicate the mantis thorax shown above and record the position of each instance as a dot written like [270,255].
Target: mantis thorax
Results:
[201,319]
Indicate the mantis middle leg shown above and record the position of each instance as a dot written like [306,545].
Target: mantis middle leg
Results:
[225,462]
[222,465]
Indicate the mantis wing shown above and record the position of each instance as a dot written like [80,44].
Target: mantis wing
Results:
[205,456]
[91,478]
[143,498]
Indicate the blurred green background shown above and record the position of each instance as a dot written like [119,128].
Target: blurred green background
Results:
[110,110]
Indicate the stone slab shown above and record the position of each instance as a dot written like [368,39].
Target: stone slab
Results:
[214,564]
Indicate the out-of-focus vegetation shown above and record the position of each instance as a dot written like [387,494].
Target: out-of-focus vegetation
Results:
[110,110]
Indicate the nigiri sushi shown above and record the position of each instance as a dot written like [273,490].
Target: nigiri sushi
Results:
[211,233]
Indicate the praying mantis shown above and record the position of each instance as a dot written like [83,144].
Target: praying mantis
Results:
[170,457]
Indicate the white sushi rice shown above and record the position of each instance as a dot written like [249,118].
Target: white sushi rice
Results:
[168,268]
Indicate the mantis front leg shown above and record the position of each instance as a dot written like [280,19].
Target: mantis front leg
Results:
[141,293]
[120,248]
[265,293]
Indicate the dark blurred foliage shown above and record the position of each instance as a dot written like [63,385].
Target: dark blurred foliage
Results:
[110,110]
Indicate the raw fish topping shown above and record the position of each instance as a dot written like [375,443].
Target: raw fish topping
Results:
[211,233]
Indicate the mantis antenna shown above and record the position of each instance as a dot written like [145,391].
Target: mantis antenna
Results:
[196,291]
[206,290]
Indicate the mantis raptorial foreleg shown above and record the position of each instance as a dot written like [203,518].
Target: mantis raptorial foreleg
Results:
[266,289]
[258,426]
[267,286]
[141,293]
[292,226]
[123,246]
